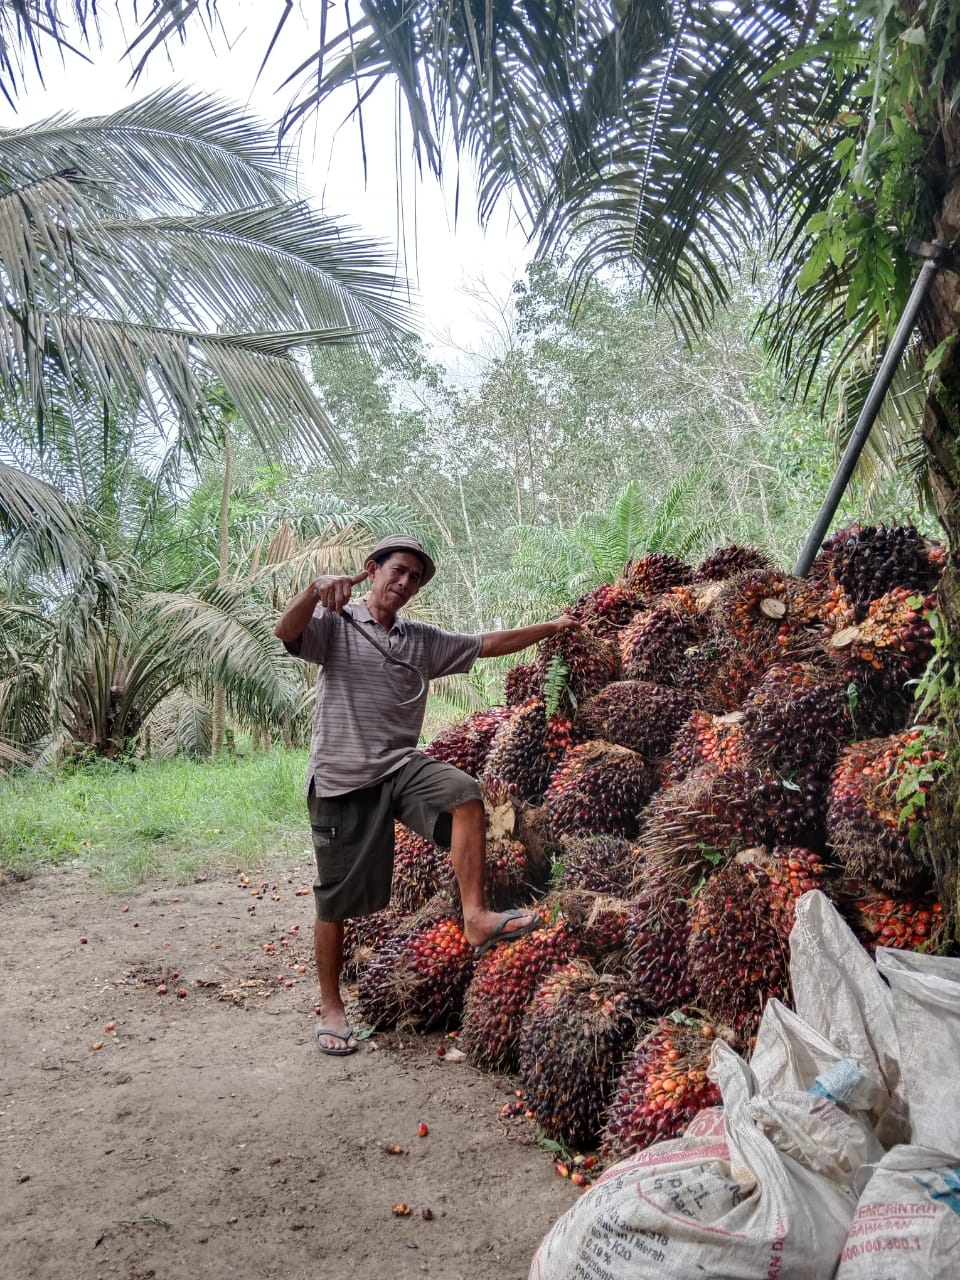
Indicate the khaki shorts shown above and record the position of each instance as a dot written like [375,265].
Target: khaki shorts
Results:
[353,833]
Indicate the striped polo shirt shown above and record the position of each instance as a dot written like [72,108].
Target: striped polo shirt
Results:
[360,734]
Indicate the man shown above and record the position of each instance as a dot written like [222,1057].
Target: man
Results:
[364,769]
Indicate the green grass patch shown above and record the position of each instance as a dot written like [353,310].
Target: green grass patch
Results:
[158,819]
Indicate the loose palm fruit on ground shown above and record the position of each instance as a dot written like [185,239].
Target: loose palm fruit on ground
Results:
[662,1086]
[599,788]
[418,977]
[574,1036]
[636,714]
[502,986]
[467,744]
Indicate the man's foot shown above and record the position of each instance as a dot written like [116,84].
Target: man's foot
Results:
[490,928]
[334,1035]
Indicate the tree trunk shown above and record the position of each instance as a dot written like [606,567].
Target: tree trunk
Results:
[218,711]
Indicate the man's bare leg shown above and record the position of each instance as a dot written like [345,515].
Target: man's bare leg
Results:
[328,949]
[468,848]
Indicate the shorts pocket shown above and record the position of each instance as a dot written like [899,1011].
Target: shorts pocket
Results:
[326,829]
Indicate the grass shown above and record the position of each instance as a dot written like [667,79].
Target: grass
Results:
[165,819]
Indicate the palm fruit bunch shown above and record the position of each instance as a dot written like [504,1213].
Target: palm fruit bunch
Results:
[363,936]
[737,956]
[705,739]
[768,808]
[891,644]
[754,611]
[871,831]
[891,920]
[687,828]
[655,943]
[607,608]
[797,719]
[503,984]
[525,751]
[790,873]
[655,646]
[572,1042]
[598,788]
[727,562]
[466,745]
[718,674]
[522,682]
[636,714]
[586,661]
[662,1086]
[419,869]
[869,561]
[653,574]
[596,922]
[510,874]
[598,863]
[420,975]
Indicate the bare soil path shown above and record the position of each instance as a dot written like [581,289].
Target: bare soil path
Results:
[205,1136]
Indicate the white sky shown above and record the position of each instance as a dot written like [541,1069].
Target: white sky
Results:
[445,255]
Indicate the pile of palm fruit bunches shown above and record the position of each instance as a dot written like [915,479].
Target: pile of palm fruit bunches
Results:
[664,783]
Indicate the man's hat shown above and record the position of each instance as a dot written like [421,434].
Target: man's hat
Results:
[401,542]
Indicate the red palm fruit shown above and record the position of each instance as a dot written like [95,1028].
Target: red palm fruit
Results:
[587,662]
[522,682]
[705,739]
[598,788]
[419,870]
[655,645]
[572,1042]
[525,751]
[419,976]
[737,957]
[600,863]
[790,873]
[797,719]
[636,714]
[869,561]
[756,612]
[769,808]
[662,1086]
[655,943]
[607,608]
[502,986]
[891,645]
[727,562]
[892,920]
[871,831]
[467,744]
[651,575]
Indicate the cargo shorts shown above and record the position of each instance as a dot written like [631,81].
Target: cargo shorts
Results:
[353,833]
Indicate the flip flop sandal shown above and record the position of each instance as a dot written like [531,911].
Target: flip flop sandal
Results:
[342,1050]
[502,934]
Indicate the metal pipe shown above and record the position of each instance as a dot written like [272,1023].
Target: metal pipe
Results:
[935,255]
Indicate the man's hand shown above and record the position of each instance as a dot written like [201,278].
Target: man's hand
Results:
[566,622]
[334,591]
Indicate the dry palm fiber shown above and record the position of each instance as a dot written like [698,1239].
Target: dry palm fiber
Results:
[662,1086]
[891,645]
[502,986]
[705,739]
[871,831]
[653,574]
[654,647]
[522,682]
[585,663]
[736,954]
[599,789]
[419,976]
[419,870]
[894,920]
[636,714]
[727,562]
[608,608]
[868,561]
[600,863]
[655,943]
[467,744]
[525,751]
[596,922]
[688,827]
[574,1036]
[363,936]
[797,719]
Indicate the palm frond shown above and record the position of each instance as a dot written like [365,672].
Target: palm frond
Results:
[38,530]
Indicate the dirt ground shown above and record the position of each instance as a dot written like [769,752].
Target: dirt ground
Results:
[167,1135]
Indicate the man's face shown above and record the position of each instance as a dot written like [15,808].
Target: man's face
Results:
[397,580]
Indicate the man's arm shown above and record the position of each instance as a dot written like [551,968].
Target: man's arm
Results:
[331,591]
[494,644]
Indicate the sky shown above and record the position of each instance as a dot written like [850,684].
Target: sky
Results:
[439,243]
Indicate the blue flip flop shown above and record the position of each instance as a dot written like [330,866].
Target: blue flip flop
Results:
[340,1051]
[502,934]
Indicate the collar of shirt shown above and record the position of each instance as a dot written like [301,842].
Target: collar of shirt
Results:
[361,613]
